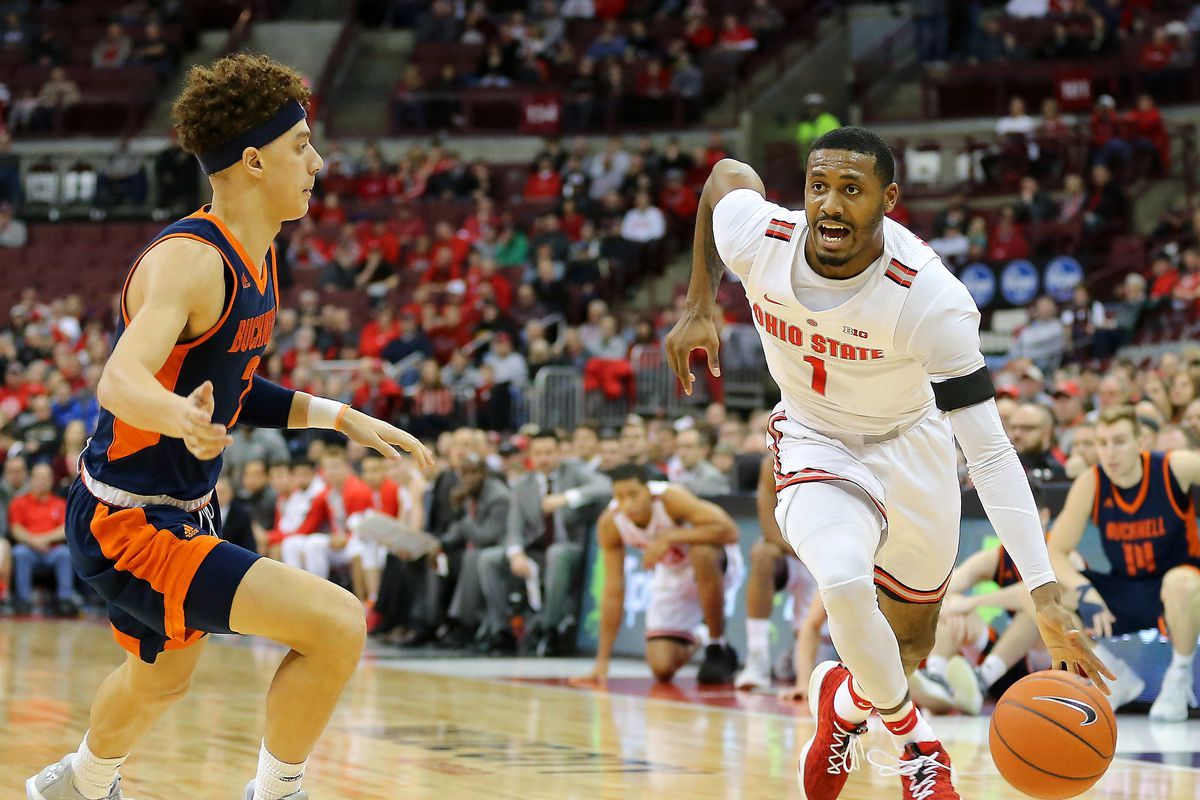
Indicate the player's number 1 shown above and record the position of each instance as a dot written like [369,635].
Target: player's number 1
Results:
[818,367]
[248,377]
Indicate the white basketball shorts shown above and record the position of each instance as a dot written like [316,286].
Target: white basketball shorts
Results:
[912,481]
[674,611]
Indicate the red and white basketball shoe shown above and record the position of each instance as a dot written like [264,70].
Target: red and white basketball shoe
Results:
[834,751]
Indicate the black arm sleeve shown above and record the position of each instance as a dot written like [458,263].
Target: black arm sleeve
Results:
[967,390]
[266,405]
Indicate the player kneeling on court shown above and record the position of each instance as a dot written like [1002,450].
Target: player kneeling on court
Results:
[1141,502]
[691,545]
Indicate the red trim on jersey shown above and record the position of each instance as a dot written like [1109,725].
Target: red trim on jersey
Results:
[912,273]
[781,230]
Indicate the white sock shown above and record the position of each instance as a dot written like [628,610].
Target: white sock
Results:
[94,776]
[850,703]
[719,640]
[909,725]
[991,670]
[275,779]
[936,665]
[758,639]
[1182,662]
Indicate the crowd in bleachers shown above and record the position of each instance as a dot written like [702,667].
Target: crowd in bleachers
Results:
[612,65]
[75,67]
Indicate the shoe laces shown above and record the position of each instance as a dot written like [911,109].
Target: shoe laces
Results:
[846,750]
[921,772]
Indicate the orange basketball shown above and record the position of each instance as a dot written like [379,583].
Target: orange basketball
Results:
[1053,735]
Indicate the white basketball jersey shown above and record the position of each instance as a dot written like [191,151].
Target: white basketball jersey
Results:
[660,521]
[844,369]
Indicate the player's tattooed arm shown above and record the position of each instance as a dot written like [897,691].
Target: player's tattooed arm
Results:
[697,328]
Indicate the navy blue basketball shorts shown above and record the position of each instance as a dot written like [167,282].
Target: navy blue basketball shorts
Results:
[165,573]
[1135,603]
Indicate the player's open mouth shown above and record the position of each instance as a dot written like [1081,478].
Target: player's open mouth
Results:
[832,233]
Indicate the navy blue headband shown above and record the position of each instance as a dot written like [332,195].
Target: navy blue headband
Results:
[228,154]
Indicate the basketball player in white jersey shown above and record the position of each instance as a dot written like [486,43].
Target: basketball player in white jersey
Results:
[875,347]
[774,568]
[691,544]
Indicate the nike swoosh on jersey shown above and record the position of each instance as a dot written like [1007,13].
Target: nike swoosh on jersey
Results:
[767,297]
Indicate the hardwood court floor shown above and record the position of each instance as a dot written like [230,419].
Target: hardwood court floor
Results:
[460,730]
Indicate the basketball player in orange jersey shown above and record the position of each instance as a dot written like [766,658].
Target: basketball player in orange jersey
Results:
[691,544]
[773,568]
[1142,504]
[196,314]
[875,347]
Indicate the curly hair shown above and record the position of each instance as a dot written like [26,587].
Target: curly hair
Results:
[232,96]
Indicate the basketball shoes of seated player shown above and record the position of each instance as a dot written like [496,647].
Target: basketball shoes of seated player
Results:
[56,782]
[298,795]
[1175,697]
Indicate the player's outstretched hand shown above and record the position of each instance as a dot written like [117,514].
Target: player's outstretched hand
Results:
[597,680]
[380,436]
[794,694]
[1069,649]
[203,438]
[696,330]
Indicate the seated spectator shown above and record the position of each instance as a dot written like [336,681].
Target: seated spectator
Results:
[439,25]
[644,223]
[36,523]
[544,183]
[257,493]
[691,468]
[480,508]
[1148,134]
[458,375]
[956,214]
[325,538]
[1007,241]
[411,340]
[578,9]
[1108,145]
[1106,210]
[57,94]
[1074,200]
[1082,318]
[122,180]
[153,50]
[1032,429]
[237,523]
[608,44]
[1017,128]
[553,509]
[1123,316]
[113,50]
[1033,204]
[953,246]
[1043,339]
[507,364]
[13,232]
[764,20]
[10,171]
[977,239]
[735,37]
[610,344]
